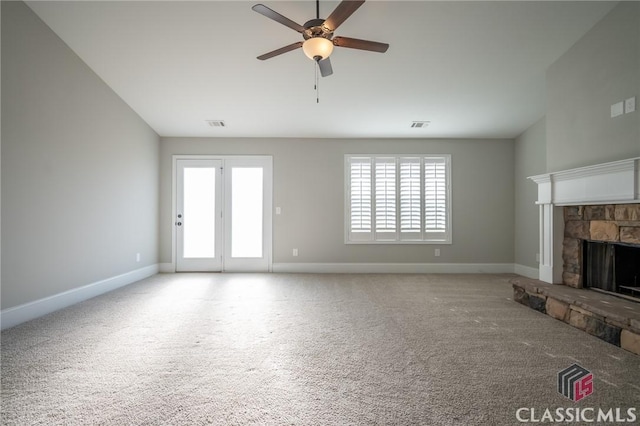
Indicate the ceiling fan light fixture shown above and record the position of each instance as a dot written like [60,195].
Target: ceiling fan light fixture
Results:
[317,47]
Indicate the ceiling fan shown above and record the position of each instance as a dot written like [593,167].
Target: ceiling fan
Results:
[318,34]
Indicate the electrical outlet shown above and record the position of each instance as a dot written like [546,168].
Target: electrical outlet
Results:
[278,210]
[137,257]
[437,252]
[295,252]
[630,105]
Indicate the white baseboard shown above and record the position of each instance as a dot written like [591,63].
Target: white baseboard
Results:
[22,313]
[526,271]
[395,268]
[167,268]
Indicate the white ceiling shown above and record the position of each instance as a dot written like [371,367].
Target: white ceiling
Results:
[473,69]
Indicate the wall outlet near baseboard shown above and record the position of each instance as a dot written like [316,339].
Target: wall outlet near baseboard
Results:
[295,252]
[137,257]
[437,253]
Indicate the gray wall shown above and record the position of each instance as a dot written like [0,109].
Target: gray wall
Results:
[309,187]
[79,169]
[529,160]
[601,69]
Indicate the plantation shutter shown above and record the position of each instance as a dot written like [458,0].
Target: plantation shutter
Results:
[410,198]
[398,199]
[435,196]
[385,198]
[360,214]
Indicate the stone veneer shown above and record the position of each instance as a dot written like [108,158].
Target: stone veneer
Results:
[610,318]
[607,223]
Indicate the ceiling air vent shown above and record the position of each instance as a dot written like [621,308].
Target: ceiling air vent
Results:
[216,123]
[419,124]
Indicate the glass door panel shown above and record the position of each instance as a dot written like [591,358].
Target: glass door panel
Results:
[198,215]
[246,211]
[199,212]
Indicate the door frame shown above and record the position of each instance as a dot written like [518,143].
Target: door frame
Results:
[268,200]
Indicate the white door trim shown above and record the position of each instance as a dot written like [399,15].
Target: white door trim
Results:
[268,229]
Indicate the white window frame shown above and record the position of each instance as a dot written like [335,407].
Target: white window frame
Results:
[422,236]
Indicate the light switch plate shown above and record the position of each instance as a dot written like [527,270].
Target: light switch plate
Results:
[617,109]
[630,105]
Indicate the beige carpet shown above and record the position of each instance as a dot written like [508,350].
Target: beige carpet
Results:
[236,349]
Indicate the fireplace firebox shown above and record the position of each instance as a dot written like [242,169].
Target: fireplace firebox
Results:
[612,267]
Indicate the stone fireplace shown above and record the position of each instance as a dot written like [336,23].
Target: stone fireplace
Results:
[595,203]
[601,247]
[589,240]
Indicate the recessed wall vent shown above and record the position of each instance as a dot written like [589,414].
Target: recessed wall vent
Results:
[216,123]
[419,124]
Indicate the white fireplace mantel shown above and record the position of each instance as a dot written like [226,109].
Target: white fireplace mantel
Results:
[617,182]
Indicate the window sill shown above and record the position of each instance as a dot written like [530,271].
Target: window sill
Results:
[402,243]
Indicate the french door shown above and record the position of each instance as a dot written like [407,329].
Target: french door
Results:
[198,215]
[223,213]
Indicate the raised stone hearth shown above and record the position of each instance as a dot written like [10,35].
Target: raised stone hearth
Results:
[612,319]
[606,223]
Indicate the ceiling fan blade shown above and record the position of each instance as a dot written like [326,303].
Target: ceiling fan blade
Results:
[280,51]
[354,43]
[325,67]
[272,14]
[341,13]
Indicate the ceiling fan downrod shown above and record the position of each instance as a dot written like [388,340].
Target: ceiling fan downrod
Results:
[316,86]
